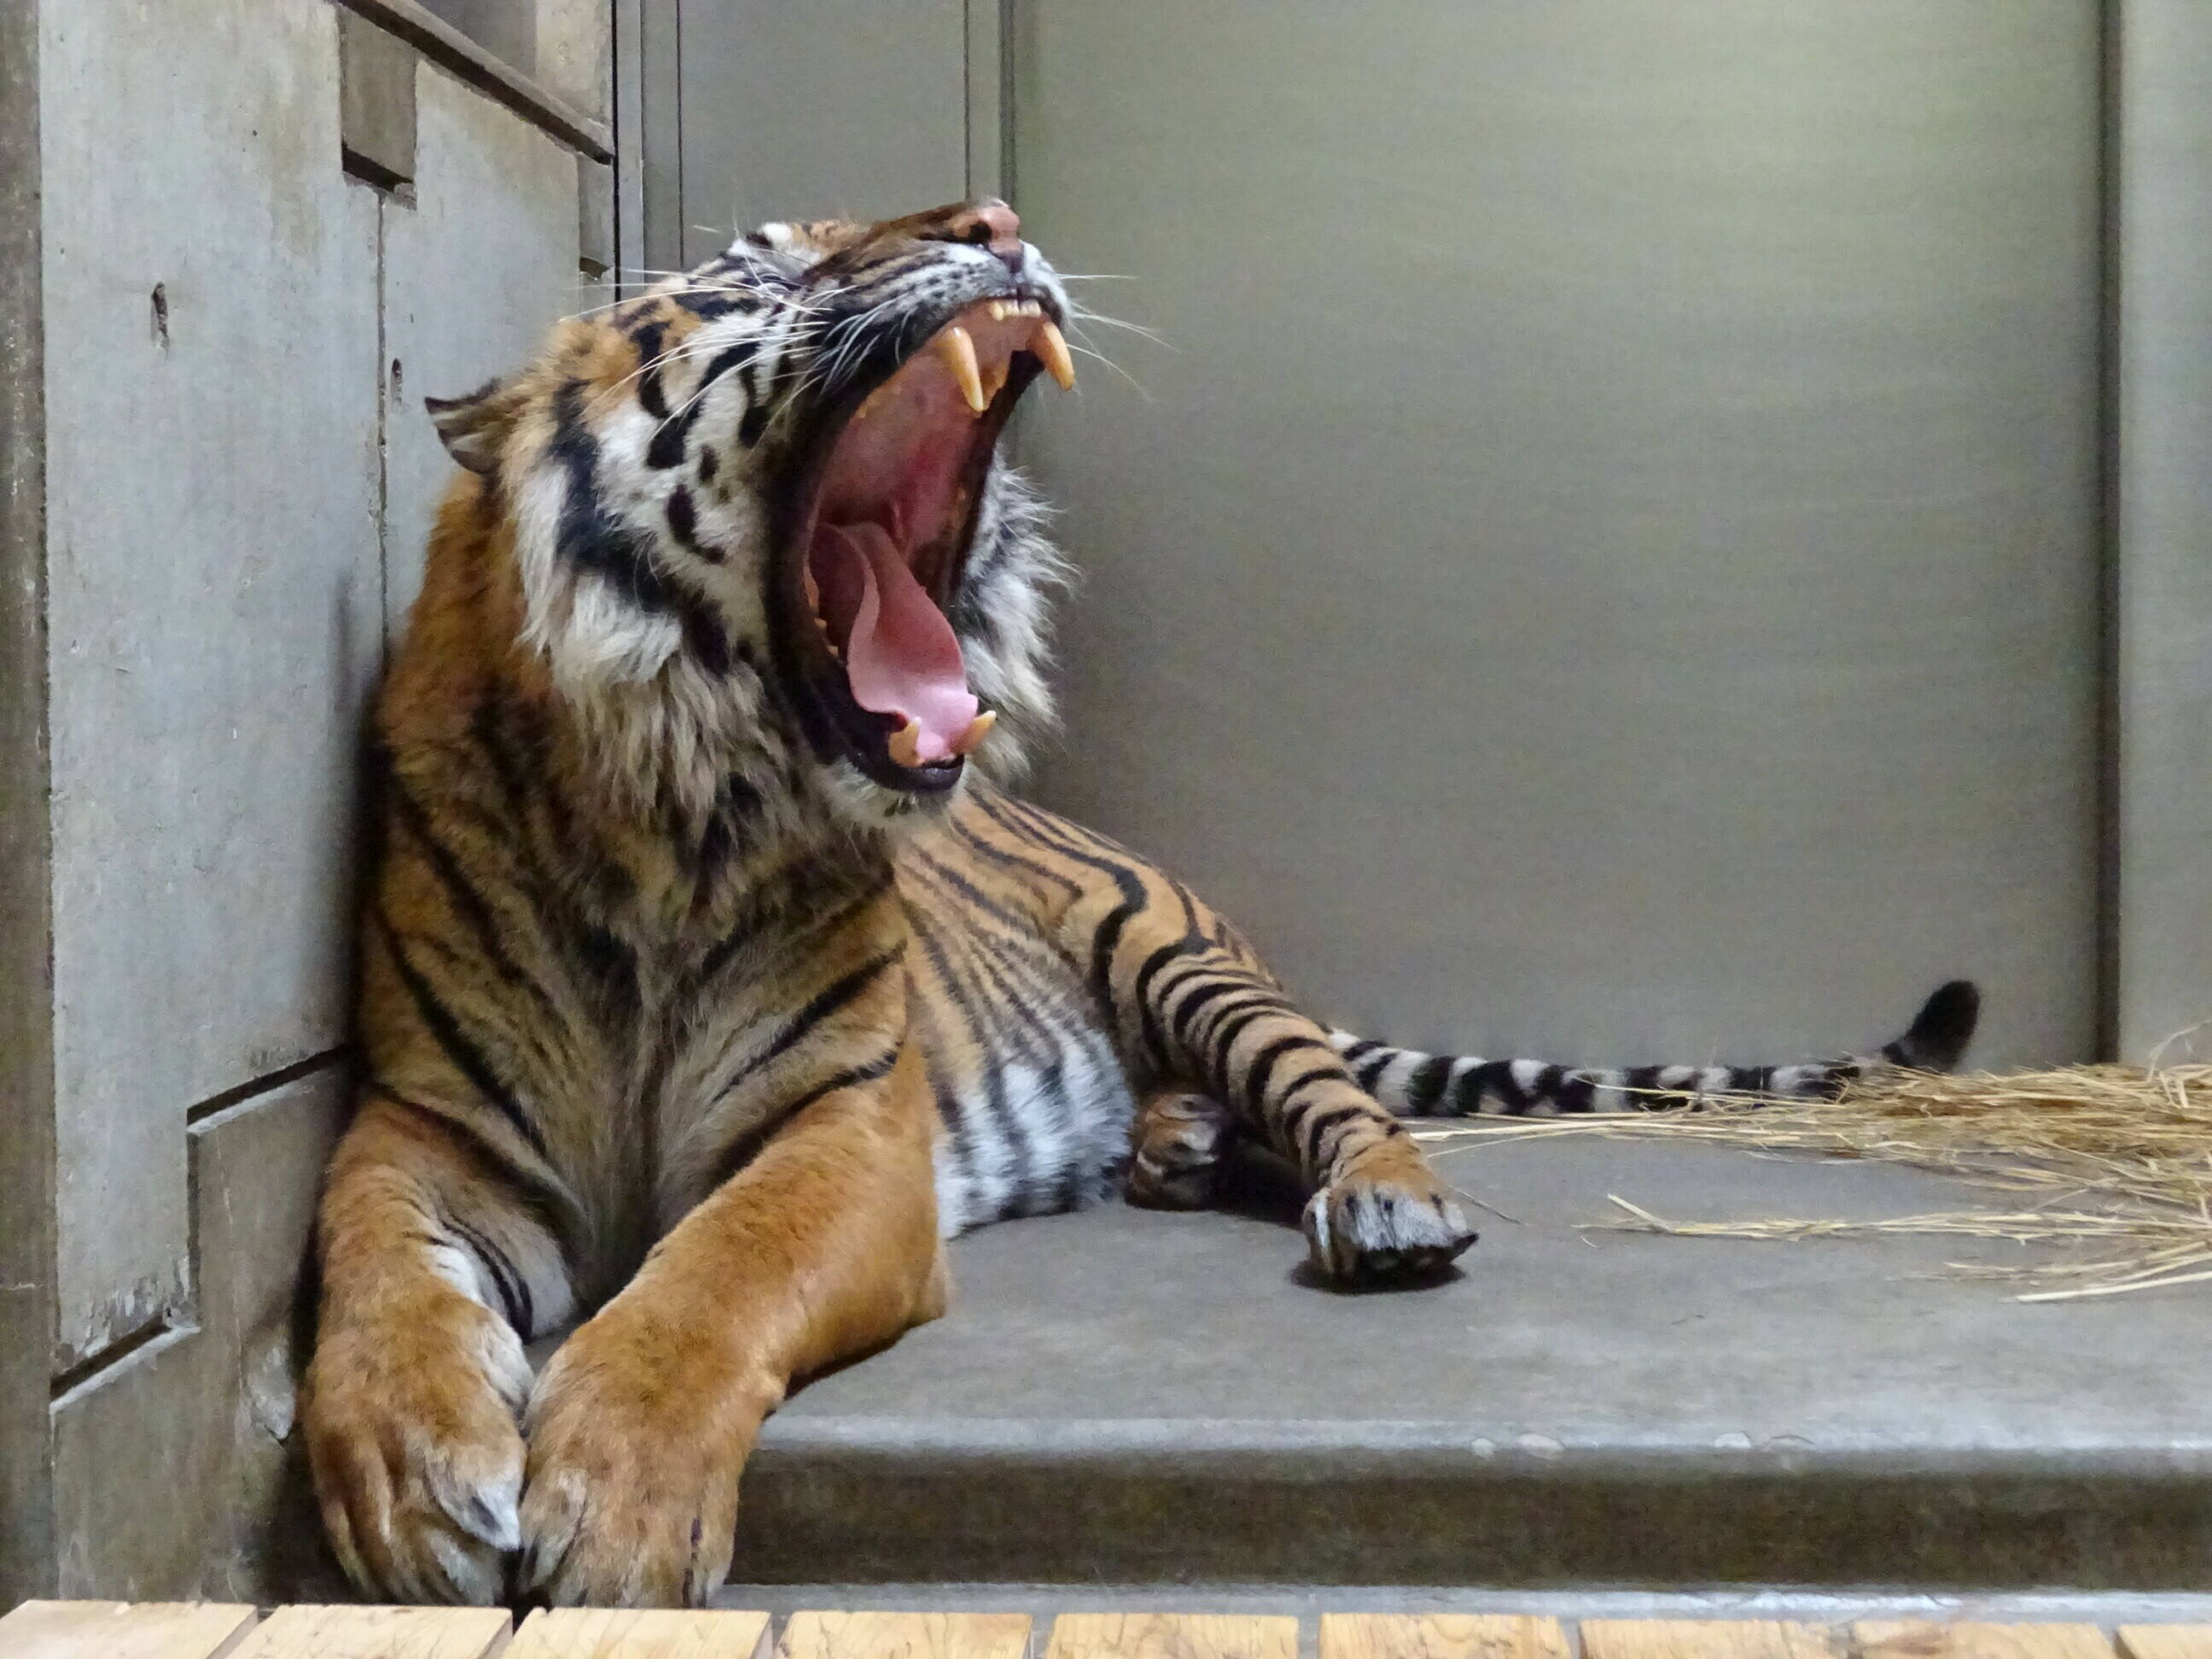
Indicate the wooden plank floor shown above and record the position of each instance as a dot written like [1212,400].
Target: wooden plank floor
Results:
[115,1629]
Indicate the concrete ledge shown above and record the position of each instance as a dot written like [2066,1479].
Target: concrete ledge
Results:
[1141,1399]
[448,47]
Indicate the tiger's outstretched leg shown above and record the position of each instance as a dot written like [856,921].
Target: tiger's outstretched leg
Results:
[1175,1148]
[1378,1211]
[821,1248]
[434,1272]
[1201,1011]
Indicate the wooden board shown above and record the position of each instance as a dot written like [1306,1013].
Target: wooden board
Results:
[1914,1638]
[378,1633]
[1685,1638]
[2166,1641]
[603,1633]
[117,1629]
[1439,1635]
[1170,1636]
[907,1636]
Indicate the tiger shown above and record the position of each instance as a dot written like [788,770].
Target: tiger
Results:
[712,976]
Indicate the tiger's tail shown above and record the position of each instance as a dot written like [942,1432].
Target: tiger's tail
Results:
[1412,1083]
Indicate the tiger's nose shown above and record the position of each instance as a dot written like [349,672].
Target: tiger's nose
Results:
[991,224]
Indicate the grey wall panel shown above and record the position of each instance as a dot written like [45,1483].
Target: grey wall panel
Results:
[574,42]
[1609,565]
[2165,525]
[492,194]
[199,1420]
[852,108]
[215,608]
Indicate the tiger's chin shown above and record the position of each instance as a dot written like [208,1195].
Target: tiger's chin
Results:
[876,531]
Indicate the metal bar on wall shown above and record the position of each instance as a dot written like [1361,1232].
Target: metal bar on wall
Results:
[659,133]
[629,151]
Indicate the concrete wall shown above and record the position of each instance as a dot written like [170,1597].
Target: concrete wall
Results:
[238,478]
[1609,565]
[27,1120]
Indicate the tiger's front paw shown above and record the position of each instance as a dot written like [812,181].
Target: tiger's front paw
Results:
[1387,1218]
[635,1455]
[411,1437]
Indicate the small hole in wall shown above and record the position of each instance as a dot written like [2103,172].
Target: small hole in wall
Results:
[395,393]
[160,310]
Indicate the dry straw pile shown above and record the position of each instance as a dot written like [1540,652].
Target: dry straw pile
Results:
[2113,1160]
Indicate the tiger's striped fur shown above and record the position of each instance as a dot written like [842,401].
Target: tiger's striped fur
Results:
[695,1006]
[1414,1084]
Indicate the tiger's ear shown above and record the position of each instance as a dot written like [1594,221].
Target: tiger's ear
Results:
[474,426]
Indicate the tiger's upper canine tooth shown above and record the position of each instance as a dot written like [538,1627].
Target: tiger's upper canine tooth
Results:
[1052,350]
[978,729]
[906,743]
[960,356]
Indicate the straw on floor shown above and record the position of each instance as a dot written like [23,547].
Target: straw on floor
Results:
[2114,1161]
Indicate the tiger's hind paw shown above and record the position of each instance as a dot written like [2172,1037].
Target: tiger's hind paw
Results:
[1384,1228]
[1177,1144]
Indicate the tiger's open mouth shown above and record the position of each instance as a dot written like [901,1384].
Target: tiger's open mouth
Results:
[877,528]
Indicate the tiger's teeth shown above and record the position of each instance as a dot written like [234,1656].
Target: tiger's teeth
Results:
[995,377]
[1051,349]
[959,353]
[978,729]
[906,744]
[996,311]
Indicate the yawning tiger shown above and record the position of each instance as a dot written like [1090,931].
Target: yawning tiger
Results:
[706,986]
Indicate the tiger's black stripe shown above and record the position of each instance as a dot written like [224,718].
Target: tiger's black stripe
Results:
[823,1004]
[671,439]
[1013,1134]
[465,1057]
[515,1299]
[543,1200]
[467,897]
[733,1162]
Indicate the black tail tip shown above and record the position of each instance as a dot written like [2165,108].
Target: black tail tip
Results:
[1940,1032]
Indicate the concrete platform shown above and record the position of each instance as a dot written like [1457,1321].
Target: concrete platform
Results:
[1134,1399]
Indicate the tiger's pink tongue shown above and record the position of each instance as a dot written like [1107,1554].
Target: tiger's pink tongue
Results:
[902,659]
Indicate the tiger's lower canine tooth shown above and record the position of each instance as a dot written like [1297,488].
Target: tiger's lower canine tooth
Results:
[978,729]
[1051,348]
[960,356]
[906,744]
